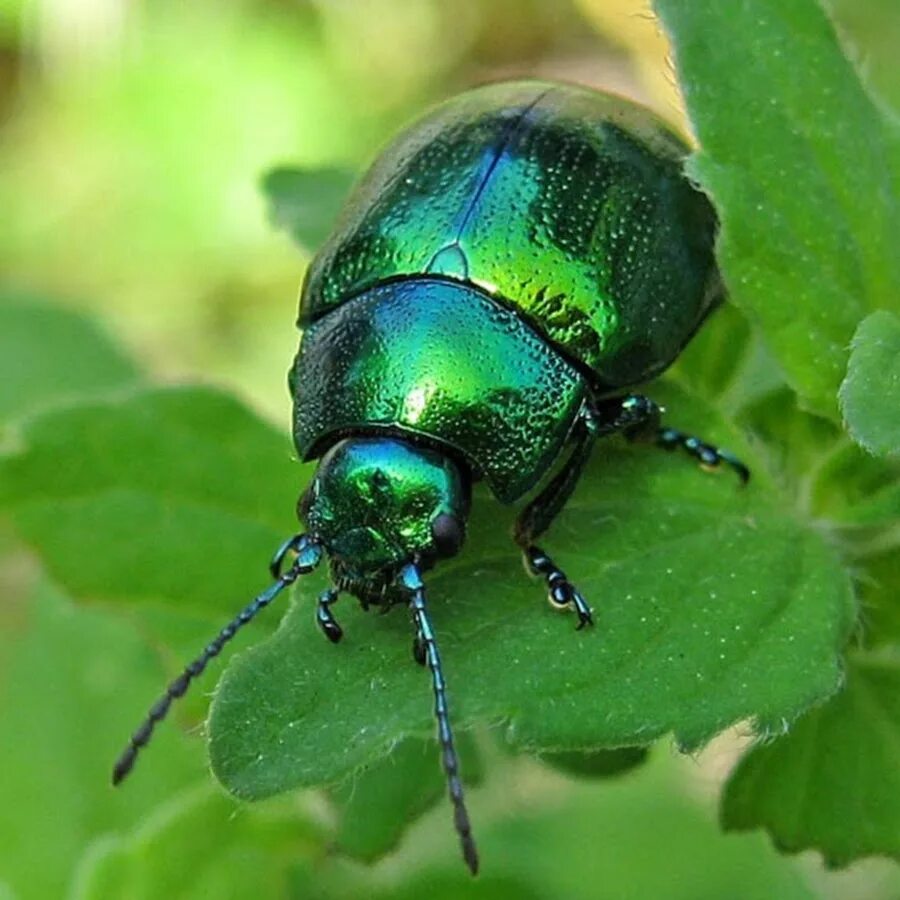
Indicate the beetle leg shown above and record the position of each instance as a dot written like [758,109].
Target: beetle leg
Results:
[291,545]
[560,591]
[709,456]
[325,618]
[638,418]
[537,517]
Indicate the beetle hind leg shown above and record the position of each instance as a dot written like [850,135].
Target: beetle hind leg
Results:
[638,418]
[560,591]
[709,456]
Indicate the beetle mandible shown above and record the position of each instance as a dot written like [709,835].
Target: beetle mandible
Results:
[508,269]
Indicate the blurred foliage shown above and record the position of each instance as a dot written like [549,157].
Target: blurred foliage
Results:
[134,135]
[870,394]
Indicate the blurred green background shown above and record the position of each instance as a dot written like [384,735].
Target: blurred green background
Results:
[133,136]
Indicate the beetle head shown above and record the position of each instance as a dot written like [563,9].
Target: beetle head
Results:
[376,504]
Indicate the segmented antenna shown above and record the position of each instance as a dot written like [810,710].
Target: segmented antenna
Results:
[412,579]
[308,556]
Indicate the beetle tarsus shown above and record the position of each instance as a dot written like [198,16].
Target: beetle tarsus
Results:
[709,456]
[561,593]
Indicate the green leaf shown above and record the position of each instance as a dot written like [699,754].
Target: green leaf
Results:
[712,606]
[377,803]
[72,680]
[880,595]
[166,496]
[832,783]
[200,846]
[628,838]
[635,838]
[804,170]
[306,202]
[49,355]
[870,394]
[687,641]
[599,764]
[871,29]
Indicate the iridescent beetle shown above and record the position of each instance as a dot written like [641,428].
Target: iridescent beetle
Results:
[509,267]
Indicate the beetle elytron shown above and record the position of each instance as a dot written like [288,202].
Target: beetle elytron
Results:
[509,267]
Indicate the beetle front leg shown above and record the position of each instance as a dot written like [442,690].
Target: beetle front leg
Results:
[325,618]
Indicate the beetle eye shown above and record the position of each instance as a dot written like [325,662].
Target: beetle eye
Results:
[448,534]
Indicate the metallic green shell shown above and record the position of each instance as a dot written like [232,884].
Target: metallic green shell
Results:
[565,204]
[441,360]
[372,502]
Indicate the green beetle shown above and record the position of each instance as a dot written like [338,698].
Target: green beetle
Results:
[509,267]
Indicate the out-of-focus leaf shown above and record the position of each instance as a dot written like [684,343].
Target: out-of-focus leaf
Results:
[727,362]
[629,838]
[72,682]
[601,764]
[832,783]
[711,606]
[377,803]
[870,394]
[49,355]
[201,846]
[637,838]
[871,31]
[306,202]
[171,496]
[805,174]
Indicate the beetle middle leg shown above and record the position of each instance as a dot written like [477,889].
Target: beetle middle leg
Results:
[536,518]
[638,418]
[560,591]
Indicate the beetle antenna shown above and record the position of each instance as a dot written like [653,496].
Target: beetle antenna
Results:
[412,579]
[308,555]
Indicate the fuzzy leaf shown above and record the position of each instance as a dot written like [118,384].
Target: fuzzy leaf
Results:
[48,355]
[167,496]
[832,783]
[711,605]
[599,764]
[199,846]
[805,174]
[870,394]
[377,803]
[71,681]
